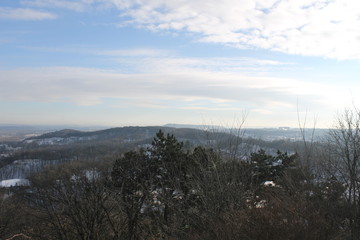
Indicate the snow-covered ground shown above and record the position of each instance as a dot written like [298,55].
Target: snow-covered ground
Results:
[14,182]
[23,168]
[59,140]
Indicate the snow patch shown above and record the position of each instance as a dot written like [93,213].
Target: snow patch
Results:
[269,184]
[14,182]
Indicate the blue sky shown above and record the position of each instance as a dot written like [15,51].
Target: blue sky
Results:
[152,62]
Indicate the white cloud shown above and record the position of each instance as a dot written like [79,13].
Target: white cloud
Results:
[196,89]
[24,14]
[262,111]
[203,108]
[329,28]
[155,61]
[79,5]
[144,52]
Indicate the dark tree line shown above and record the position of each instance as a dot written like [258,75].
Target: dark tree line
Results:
[167,191]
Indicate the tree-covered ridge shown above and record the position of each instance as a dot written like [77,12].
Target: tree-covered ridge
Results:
[167,190]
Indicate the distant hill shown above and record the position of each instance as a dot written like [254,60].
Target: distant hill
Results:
[120,133]
[61,133]
[14,132]
[190,133]
[268,134]
[293,134]
[70,144]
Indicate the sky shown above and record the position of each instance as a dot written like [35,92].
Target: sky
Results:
[153,62]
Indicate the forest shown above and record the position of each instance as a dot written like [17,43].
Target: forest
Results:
[172,190]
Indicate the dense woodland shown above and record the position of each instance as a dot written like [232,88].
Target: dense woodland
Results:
[170,190]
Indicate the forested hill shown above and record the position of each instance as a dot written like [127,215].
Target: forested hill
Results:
[274,138]
[120,133]
[185,132]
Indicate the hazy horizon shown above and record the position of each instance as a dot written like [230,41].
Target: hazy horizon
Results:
[154,62]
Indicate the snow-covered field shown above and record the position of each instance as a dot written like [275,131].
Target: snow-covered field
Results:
[14,182]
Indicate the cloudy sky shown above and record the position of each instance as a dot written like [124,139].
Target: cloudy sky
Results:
[152,62]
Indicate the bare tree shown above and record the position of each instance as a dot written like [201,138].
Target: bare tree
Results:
[12,219]
[72,203]
[307,140]
[343,163]
[228,138]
